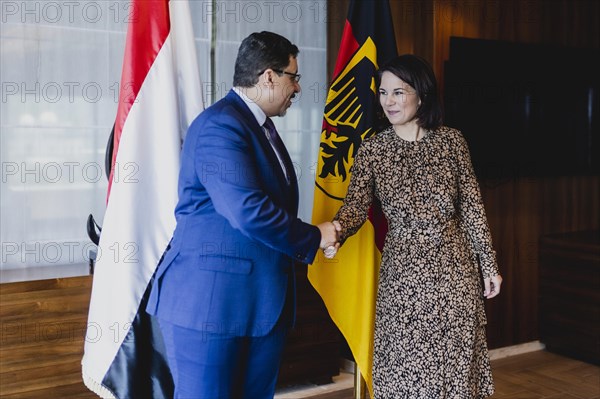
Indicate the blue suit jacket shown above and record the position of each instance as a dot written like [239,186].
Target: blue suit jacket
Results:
[237,234]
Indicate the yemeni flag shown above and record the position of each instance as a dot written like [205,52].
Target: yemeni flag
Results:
[348,283]
[160,96]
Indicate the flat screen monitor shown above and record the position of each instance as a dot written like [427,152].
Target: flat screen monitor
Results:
[524,109]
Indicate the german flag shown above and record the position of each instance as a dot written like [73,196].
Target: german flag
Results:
[348,283]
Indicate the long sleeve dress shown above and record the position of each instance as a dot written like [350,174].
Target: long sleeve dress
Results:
[430,319]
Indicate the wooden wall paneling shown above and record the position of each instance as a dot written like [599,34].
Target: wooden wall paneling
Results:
[514,249]
[572,23]
[570,203]
[511,20]
[413,21]
[523,268]
[519,212]
[555,22]
[570,294]
[337,11]
[501,228]
[312,349]
[413,25]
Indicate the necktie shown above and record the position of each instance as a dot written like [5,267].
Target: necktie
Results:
[279,148]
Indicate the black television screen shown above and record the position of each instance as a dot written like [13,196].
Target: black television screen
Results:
[525,110]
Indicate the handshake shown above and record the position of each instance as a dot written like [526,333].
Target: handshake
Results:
[330,237]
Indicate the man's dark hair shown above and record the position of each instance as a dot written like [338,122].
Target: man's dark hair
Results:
[260,51]
[416,72]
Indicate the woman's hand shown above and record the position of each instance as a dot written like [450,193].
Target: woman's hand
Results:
[492,286]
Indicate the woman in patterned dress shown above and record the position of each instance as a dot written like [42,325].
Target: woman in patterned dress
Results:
[430,320]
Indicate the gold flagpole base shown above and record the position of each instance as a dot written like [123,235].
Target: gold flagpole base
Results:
[360,386]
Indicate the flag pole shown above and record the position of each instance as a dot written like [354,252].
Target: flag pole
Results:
[360,386]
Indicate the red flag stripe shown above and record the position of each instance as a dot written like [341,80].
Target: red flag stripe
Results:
[348,47]
[149,27]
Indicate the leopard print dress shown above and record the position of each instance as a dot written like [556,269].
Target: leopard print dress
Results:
[430,320]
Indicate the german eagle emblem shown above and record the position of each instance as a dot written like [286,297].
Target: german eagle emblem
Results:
[347,119]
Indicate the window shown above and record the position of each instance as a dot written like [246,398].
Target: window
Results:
[61,66]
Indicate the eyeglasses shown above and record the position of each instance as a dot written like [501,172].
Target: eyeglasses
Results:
[295,76]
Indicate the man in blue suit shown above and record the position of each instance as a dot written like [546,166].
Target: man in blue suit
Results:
[224,293]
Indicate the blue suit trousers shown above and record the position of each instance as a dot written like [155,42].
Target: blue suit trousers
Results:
[206,365]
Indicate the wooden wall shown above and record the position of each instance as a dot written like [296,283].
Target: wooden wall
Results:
[520,209]
[573,23]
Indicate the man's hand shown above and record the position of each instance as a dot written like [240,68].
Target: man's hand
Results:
[329,234]
[330,238]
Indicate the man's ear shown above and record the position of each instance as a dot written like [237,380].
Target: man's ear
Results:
[267,77]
